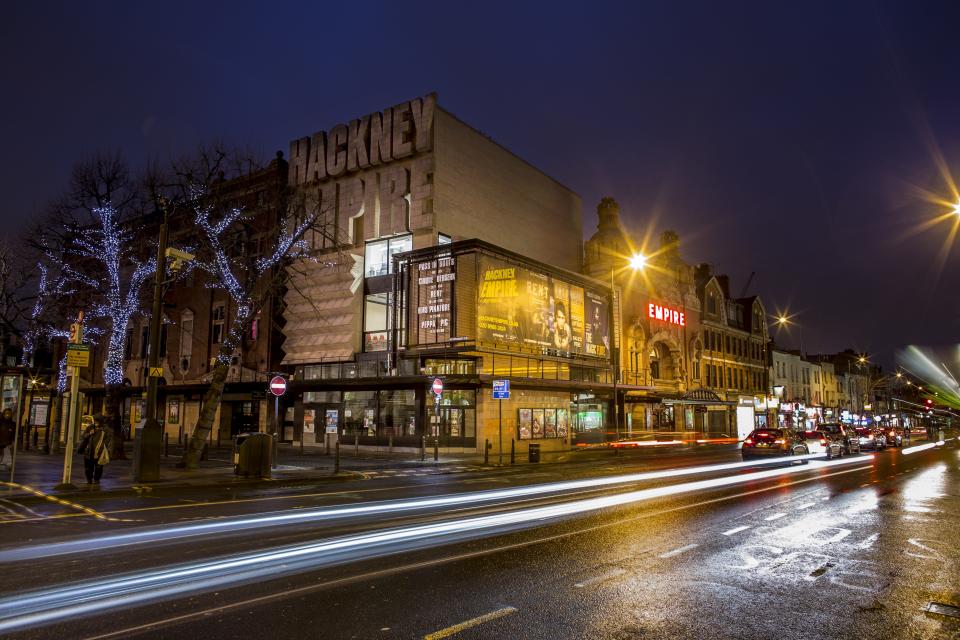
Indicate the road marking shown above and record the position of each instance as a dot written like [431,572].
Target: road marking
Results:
[601,578]
[736,530]
[678,551]
[866,544]
[468,624]
[46,496]
[380,573]
[805,505]
[775,516]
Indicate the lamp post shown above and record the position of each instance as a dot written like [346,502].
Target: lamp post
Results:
[636,263]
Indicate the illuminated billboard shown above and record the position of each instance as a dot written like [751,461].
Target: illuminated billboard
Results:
[518,306]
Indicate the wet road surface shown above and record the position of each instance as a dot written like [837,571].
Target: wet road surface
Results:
[856,548]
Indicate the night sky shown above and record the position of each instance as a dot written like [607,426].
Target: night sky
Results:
[789,139]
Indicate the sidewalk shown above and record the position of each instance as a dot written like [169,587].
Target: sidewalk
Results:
[43,472]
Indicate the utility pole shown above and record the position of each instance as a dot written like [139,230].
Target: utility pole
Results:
[146,459]
[76,338]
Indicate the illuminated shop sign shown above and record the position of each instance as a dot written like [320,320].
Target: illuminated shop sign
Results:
[666,314]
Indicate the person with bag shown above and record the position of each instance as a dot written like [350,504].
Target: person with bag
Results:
[8,430]
[95,448]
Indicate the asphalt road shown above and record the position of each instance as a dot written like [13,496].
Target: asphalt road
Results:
[850,549]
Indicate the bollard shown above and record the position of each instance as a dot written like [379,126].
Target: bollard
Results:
[166,444]
[390,445]
[513,453]
[423,448]
[436,449]
[356,445]
[486,452]
[336,457]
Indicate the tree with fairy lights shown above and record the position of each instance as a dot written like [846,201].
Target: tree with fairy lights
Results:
[281,225]
[91,260]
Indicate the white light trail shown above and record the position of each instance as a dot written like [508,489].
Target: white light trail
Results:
[105,593]
[180,532]
[921,447]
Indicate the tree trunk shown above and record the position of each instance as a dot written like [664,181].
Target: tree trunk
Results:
[112,404]
[211,400]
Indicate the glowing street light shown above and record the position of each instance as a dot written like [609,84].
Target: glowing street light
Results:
[637,262]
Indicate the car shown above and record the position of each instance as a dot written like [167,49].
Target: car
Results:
[764,443]
[894,437]
[819,442]
[873,439]
[842,434]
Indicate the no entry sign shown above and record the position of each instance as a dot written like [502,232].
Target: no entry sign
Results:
[437,386]
[278,385]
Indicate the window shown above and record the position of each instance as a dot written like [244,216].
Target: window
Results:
[186,338]
[128,349]
[729,378]
[696,370]
[712,303]
[219,316]
[728,344]
[443,238]
[376,322]
[144,340]
[378,255]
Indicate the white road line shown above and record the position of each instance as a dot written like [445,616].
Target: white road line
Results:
[601,578]
[866,544]
[805,505]
[736,530]
[676,552]
[775,516]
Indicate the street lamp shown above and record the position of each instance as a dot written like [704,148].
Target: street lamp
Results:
[637,262]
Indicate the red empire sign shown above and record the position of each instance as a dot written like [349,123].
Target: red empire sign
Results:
[666,314]
[437,386]
[278,385]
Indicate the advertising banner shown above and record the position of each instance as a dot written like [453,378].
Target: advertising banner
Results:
[519,306]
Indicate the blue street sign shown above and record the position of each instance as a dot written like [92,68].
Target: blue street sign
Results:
[501,389]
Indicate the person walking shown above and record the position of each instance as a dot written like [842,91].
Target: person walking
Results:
[95,448]
[8,430]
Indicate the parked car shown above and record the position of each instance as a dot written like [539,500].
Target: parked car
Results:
[762,443]
[819,442]
[844,435]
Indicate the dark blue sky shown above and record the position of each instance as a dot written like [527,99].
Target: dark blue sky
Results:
[781,138]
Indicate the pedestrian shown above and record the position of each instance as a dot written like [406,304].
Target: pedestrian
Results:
[95,448]
[8,430]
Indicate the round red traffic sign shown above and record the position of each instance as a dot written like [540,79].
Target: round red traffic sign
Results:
[278,385]
[437,386]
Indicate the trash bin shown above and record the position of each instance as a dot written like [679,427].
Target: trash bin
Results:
[252,455]
[534,453]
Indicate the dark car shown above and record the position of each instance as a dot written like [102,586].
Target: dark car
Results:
[763,443]
[874,439]
[846,436]
[894,437]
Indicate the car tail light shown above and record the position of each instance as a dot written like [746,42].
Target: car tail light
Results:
[822,441]
[778,441]
[748,441]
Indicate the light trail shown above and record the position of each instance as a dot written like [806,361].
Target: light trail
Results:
[181,532]
[105,593]
[922,447]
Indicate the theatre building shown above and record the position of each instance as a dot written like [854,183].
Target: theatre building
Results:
[486,250]
[661,358]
